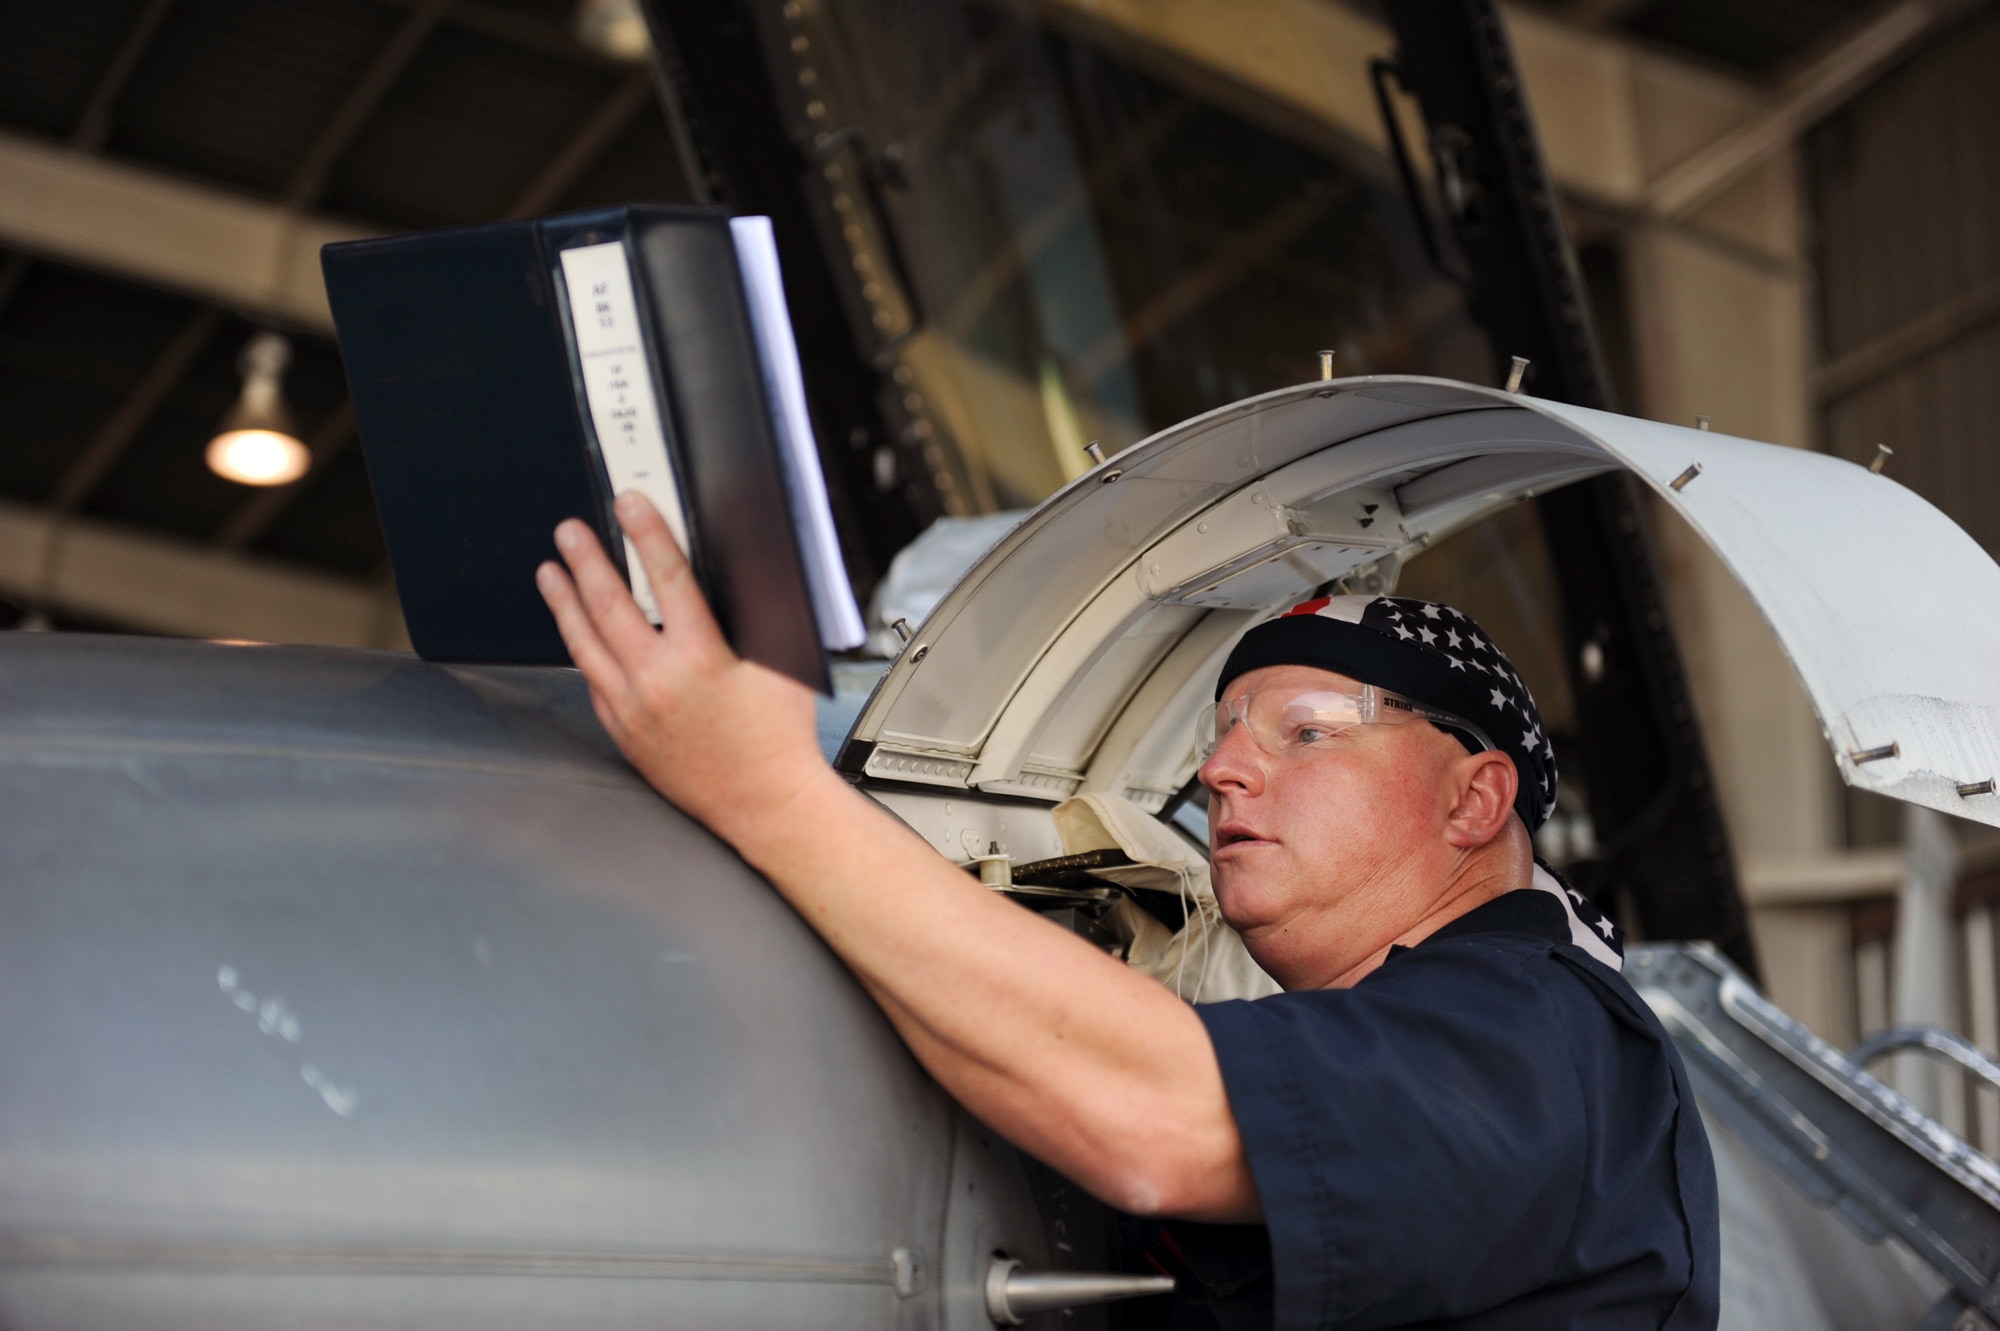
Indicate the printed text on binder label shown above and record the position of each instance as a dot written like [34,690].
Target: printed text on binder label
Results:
[618,384]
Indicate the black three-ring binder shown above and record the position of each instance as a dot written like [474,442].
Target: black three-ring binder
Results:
[506,377]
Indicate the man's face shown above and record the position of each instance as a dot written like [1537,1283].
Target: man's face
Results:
[1306,843]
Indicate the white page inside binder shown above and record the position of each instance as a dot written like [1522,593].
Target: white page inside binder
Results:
[618,385]
[839,618]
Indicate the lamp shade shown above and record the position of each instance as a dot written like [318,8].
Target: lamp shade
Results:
[258,443]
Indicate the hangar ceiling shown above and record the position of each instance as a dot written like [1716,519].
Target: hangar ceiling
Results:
[1755,38]
[394,115]
[383,115]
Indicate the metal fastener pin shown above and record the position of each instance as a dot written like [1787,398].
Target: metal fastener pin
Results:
[1882,455]
[1326,365]
[1680,482]
[1096,451]
[996,867]
[902,628]
[1967,789]
[1701,422]
[1892,749]
[1516,374]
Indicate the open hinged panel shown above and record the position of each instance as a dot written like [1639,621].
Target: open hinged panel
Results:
[1075,655]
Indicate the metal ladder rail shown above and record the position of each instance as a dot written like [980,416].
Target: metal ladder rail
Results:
[1846,1140]
[1932,1042]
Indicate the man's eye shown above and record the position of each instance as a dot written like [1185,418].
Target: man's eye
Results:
[1311,734]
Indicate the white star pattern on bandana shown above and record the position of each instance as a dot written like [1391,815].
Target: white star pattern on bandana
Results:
[1437,648]
[1589,928]
[1512,721]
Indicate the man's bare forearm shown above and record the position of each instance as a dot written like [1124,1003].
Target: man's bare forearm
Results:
[1096,1070]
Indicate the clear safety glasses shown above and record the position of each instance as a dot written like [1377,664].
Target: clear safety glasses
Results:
[1283,722]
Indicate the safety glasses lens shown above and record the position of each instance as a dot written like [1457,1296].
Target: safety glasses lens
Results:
[1281,722]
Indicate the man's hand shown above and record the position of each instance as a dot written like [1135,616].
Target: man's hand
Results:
[1081,1062]
[726,740]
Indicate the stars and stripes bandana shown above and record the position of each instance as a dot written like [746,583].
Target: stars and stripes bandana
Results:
[1424,651]
[1436,655]
[1589,928]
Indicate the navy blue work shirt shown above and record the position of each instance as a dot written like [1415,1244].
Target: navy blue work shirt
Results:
[1490,1131]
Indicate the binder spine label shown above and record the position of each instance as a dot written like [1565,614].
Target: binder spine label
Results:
[618,386]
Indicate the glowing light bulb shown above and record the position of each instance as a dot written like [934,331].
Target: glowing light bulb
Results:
[616,28]
[257,444]
[257,457]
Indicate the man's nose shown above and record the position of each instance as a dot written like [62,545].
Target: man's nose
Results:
[1237,763]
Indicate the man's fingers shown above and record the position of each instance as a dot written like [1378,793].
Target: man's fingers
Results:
[607,677]
[605,596]
[684,612]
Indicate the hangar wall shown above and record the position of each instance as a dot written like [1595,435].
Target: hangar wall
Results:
[1840,296]
[1905,248]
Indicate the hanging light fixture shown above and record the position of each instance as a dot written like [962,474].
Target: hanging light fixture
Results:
[258,443]
[615,28]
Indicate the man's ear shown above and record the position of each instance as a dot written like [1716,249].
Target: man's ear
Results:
[1487,786]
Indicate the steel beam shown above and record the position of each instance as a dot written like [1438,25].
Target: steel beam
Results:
[1300,66]
[1649,789]
[158,584]
[100,114]
[259,258]
[524,32]
[1282,61]
[1814,92]
[309,179]
[117,432]
[586,146]
[1239,255]
[1931,331]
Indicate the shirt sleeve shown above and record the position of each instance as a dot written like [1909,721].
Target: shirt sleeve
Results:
[1417,1141]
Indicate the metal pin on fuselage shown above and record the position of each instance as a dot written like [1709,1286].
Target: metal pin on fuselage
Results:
[1326,365]
[1096,451]
[1967,789]
[1882,455]
[1013,1295]
[1701,422]
[1680,482]
[1893,749]
[902,628]
[1517,373]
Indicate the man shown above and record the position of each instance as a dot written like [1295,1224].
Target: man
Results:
[1454,1116]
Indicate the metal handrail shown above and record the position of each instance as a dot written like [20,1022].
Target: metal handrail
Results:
[1843,1138]
[1928,1040]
